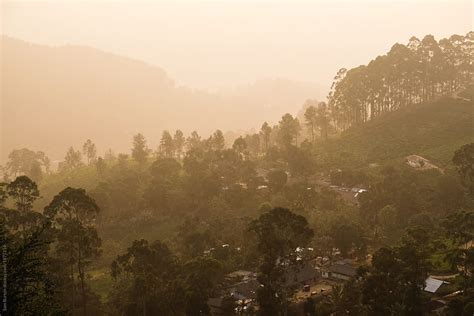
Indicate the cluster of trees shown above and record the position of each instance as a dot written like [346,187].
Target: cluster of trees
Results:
[49,253]
[150,280]
[73,158]
[316,118]
[209,208]
[277,234]
[36,164]
[393,284]
[273,140]
[405,197]
[408,74]
[26,162]
[46,255]
[441,221]
[289,130]
[174,146]
[207,176]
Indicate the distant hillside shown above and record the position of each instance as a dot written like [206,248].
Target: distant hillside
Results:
[55,97]
[433,131]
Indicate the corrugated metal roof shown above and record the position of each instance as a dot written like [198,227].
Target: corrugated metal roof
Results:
[344,269]
[432,285]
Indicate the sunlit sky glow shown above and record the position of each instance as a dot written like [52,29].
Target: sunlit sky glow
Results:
[220,44]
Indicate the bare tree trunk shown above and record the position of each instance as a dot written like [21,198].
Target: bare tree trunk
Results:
[73,287]
[81,275]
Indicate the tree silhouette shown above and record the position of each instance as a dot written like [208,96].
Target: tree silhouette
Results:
[278,233]
[311,120]
[73,214]
[90,151]
[464,161]
[418,72]
[166,145]
[24,192]
[216,141]
[140,150]
[266,132]
[178,142]
[73,159]
[288,130]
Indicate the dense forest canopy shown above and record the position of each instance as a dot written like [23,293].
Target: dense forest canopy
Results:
[418,72]
[354,206]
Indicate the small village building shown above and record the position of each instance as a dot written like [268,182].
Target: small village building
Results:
[243,284]
[339,271]
[359,191]
[418,162]
[246,290]
[301,274]
[432,285]
[240,275]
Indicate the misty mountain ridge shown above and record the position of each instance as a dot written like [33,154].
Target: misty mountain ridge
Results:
[109,98]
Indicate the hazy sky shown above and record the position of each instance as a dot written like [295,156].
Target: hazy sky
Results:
[218,44]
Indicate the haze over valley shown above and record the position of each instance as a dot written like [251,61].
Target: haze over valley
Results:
[169,64]
[110,98]
[219,158]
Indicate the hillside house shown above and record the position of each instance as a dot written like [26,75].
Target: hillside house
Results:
[301,274]
[340,270]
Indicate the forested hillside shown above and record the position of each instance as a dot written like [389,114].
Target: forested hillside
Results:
[433,130]
[110,98]
[308,216]
[415,73]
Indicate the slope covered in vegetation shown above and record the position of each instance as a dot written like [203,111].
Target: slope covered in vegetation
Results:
[163,231]
[109,97]
[433,131]
[416,73]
